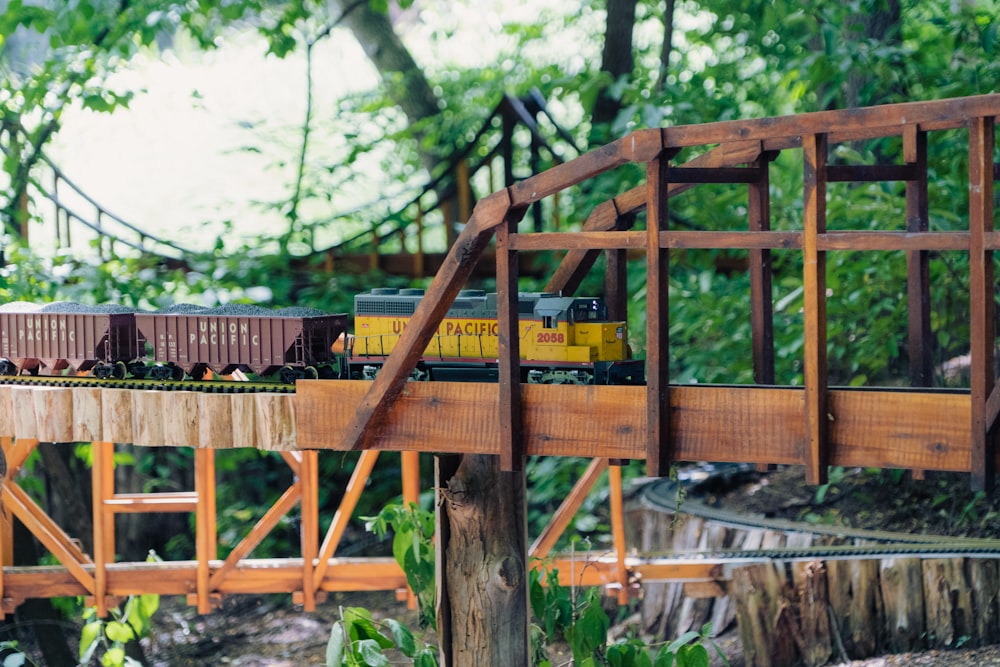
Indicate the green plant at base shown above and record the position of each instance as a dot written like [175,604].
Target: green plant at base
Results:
[357,640]
[413,548]
[131,622]
[12,656]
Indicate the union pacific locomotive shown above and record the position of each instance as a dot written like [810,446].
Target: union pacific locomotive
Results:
[562,340]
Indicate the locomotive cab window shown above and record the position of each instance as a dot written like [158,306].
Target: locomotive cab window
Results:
[549,322]
[589,310]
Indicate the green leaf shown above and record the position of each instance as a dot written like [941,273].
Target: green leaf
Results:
[403,637]
[335,647]
[89,639]
[371,653]
[119,632]
[665,658]
[114,657]
[16,659]
[695,655]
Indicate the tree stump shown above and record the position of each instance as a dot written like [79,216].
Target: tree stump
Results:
[901,580]
[482,584]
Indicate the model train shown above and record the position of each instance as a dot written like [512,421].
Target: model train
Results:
[562,340]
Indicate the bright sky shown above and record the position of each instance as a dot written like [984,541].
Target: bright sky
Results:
[171,164]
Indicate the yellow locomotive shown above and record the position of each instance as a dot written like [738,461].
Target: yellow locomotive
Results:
[563,340]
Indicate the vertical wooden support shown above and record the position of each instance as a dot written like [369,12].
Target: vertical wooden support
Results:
[509,350]
[658,449]
[410,464]
[982,306]
[761,298]
[618,531]
[814,149]
[102,488]
[6,527]
[918,296]
[205,539]
[419,261]
[309,490]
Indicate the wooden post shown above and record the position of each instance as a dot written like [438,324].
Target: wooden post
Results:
[761,307]
[814,287]
[982,305]
[658,446]
[482,583]
[509,349]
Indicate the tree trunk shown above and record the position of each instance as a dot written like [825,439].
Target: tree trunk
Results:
[482,584]
[616,61]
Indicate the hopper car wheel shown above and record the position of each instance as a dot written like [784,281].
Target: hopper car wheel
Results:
[198,372]
[119,370]
[7,367]
[288,375]
[311,373]
[176,373]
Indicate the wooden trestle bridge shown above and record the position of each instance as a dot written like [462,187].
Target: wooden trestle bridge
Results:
[813,425]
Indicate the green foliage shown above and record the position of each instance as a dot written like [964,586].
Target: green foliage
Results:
[107,638]
[412,531]
[12,656]
[357,640]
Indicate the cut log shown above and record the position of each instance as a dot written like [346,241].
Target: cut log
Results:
[901,585]
[856,600]
[947,602]
[984,581]
[764,616]
[813,633]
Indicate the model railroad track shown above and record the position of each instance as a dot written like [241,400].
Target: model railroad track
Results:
[203,386]
[855,543]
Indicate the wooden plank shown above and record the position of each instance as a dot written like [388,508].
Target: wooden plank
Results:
[658,443]
[116,416]
[888,241]
[7,423]
[374,410]
[814,149]
[243,410]
[893,117]
[275,419]
[23,402]
[693,239]
[982,304]
[215,421]
[148,423]
[918,297]
[711,423]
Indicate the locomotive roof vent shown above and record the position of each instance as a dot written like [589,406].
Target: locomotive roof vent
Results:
[467,293]
[385,290]
[411,291]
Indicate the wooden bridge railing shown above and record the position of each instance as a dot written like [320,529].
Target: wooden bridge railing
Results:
[814,426]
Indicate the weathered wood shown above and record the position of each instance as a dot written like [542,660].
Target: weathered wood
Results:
[763,616]
[814,148]
[243,409]
[179,411]
[215,420]
[918,298]
[856,600]
[7,423]
[984,584]
[901,584]
[148,423]
[483,566]
[947,602]
[813,632]
[52,404]
[86,415]
[275,421]
[116,416]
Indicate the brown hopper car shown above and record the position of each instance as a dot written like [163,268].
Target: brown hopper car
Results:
[112,341]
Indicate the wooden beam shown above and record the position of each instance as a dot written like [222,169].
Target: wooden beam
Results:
[891,118]
[817,415]
[982,304]
[567,509]
[918,293]
[761,294]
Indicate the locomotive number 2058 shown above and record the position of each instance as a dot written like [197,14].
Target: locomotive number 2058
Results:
[551,338]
